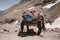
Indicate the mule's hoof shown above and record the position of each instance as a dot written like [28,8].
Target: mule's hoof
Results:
[37,34]
[21,31]
[28,31]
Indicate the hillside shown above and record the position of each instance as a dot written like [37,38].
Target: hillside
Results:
[11,18]
[1,12]
[53,13]
[17,10]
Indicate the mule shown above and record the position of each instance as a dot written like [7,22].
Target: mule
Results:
[39,22]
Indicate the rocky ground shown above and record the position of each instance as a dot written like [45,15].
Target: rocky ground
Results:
[11,32]
[47,35]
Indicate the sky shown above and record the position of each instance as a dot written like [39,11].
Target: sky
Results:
[5,4]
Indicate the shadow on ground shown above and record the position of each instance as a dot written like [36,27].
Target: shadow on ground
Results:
[29,33]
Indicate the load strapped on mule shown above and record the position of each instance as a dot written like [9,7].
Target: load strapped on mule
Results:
[30,14]
[32,17]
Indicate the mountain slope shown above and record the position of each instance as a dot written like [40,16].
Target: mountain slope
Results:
[16,11]
[53,13]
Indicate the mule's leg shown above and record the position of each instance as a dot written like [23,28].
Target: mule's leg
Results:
[27,28]
[22,27]
[43,26]
[39,27]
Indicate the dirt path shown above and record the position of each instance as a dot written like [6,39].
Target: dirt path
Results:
[48,35]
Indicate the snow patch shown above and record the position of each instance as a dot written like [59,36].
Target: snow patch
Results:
[56,24]
[17,10]
[16,22]
[50,5]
